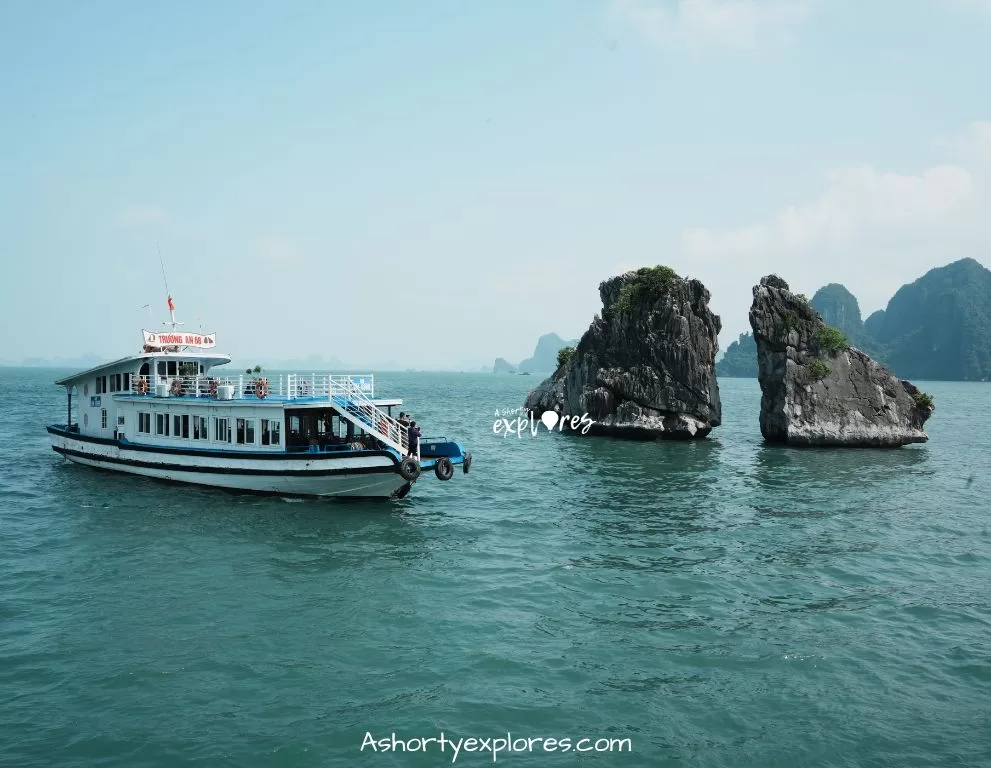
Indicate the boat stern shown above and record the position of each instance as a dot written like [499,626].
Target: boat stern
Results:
[440,455]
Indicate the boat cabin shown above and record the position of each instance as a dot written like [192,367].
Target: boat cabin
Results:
[171,397]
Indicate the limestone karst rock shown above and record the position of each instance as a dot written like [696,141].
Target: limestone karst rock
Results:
[645,369]
[818,390]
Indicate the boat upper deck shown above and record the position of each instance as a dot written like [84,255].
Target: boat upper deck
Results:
[255,389]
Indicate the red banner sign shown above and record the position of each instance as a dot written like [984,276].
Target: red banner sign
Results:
[180,339]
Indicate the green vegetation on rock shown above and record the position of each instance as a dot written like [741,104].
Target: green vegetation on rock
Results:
[923,399]
[816,370]
[564,355]
[790,320]
[650,284]
[831,339]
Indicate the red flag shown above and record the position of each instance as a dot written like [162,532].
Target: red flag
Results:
[171,305]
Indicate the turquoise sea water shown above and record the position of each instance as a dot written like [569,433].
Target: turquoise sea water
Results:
[720,603]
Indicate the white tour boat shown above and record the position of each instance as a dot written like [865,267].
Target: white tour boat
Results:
[165,413]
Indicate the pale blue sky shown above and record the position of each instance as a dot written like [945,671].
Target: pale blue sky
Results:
[439,183]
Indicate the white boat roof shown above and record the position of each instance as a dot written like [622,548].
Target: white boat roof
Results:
[209,359]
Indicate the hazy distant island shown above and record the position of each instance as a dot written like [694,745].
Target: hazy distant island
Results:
[739,361]
[501,366]
[936,328]
[543,360]
[86,361]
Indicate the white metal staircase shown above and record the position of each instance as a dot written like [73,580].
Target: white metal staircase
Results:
[355,406]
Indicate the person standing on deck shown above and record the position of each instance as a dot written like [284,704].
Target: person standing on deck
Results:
[413,439]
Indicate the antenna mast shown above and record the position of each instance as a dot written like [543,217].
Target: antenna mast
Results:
[167,292]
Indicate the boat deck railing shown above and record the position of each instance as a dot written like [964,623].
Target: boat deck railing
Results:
[285,386]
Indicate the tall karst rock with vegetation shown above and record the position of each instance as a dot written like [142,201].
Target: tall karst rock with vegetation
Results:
[740,359]
[645,369]
[819,390]
[939,327]
[839,308]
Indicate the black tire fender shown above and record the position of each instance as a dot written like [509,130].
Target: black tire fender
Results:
[466,464]
[444,469]
[409,468]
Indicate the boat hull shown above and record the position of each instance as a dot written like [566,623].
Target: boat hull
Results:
[370,475]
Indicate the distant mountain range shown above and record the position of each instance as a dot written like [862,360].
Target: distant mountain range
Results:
[543,360]
[937,328]
[80,363]
[309,363]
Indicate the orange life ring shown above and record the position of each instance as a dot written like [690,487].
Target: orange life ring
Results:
[261,388]
[176,388]
[142,385]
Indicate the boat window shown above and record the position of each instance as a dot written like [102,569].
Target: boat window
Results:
[127,382]
[187,368]
[162,424]
[245,431]
[172,365]
[145,370]
[103,418]
[161,367]
[270,432]
[200,428]
[144,423]
[180,426]
[220,430]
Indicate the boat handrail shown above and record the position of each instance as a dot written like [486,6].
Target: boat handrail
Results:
[288,386]
[376,420]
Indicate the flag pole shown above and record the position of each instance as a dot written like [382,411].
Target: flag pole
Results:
[168,293]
